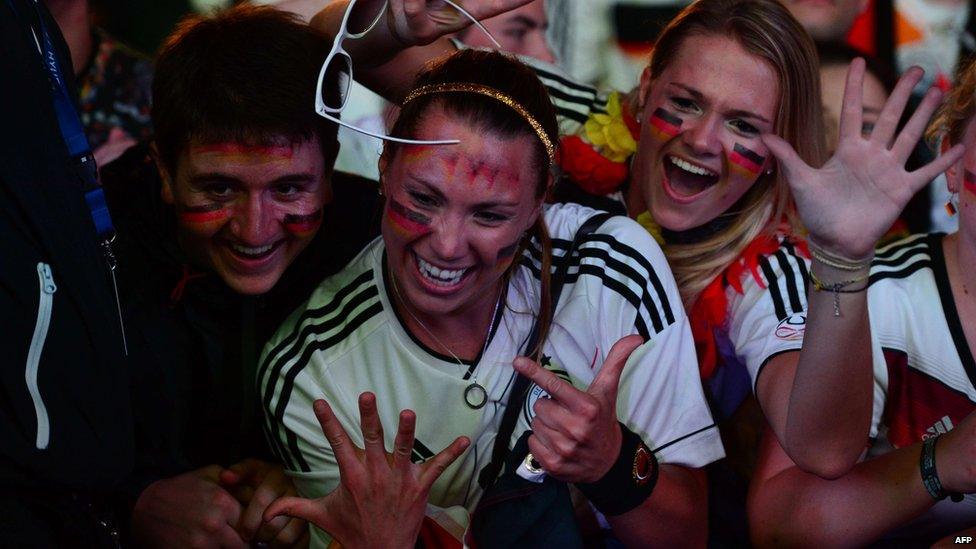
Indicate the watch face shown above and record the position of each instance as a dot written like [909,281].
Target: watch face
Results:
[643,465]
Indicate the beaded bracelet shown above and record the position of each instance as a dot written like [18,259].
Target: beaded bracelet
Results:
[837,288]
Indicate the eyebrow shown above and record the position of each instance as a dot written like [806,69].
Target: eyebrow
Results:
[734,112]
[480,205]
[527,22]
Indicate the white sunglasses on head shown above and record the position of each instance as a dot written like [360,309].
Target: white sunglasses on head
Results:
[339,61]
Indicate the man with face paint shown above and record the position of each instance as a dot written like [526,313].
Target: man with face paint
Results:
[223,230]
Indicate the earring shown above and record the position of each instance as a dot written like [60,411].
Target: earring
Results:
[952,205]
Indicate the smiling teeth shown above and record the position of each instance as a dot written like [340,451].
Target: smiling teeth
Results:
[689,167]
[247,250]
[440,277]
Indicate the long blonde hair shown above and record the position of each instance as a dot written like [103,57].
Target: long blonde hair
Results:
[765,29]
[958,107]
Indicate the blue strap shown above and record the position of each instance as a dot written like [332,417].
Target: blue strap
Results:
[72,130]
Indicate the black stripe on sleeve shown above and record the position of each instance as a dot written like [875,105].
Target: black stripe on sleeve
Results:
[890,250]
[773,287]
[902,273]
[301,335]
[571,114]
[792,288]
[546,75]
[889,261]
[317,312]
[621,248]
[801,264]
[288,384]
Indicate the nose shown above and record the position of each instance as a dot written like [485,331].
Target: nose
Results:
[251,221]
[703,136]
[447,240]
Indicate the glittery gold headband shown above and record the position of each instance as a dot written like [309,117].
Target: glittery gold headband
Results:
[494,94]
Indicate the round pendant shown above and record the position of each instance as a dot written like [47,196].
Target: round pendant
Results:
[475,396]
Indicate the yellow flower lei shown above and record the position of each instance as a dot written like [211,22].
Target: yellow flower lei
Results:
[609,133]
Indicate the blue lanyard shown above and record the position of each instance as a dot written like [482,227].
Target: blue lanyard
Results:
[72,130]
[73,134]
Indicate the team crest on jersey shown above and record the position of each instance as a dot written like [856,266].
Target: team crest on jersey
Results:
[792,327]
[536,392]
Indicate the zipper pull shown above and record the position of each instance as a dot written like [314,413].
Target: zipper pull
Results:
[47,285]
[112,263]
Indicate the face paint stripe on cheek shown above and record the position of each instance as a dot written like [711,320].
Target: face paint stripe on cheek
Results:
[746,159]
[407,220]
[508,251]
[665,124]
[969,182]
[303,225]
[198,215]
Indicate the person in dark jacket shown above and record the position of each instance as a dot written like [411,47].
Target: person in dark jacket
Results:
[65,420]
[224,229]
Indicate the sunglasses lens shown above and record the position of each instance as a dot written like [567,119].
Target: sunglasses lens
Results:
[365,14]
[336,82]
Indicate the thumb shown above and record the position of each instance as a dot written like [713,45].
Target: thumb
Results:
[305,509]
[789,161]
[608,378]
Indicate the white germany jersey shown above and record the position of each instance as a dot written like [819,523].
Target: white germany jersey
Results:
[925,377]
[347,339]
[768,318]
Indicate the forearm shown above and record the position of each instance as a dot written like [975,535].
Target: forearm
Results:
[797,508]
[382,62]
[676,514]
[834,373]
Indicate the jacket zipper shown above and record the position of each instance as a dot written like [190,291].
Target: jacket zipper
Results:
[44,307]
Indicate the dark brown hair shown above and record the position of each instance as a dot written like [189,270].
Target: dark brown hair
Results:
[245,74]
[509,76]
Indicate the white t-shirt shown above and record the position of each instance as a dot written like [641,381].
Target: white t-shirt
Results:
[347,339]
[925,376]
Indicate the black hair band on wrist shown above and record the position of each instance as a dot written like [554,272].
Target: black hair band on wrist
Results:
[629,481]
[930,477]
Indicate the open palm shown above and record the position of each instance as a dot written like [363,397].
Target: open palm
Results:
[850,202]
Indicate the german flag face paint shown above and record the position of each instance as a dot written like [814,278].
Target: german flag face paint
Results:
[303,225]
[407,222]
[746,162]
[969,182]
[664,124]
[204,219]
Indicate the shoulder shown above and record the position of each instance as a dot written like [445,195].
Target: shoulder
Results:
[903,289]
[905,262]
[618,266]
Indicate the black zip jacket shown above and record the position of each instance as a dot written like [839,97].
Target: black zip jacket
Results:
[65,422]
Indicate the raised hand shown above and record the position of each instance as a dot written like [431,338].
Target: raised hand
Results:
[256,484]
[420,22]
[849,203]
[375,488]
[575,434]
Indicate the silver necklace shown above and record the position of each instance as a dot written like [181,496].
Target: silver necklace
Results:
[475,394]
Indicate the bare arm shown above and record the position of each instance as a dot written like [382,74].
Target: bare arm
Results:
[676,514]
[847,205]
[790,507]
[413,32]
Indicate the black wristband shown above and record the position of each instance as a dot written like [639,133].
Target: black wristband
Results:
[930,477]
[629,481]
